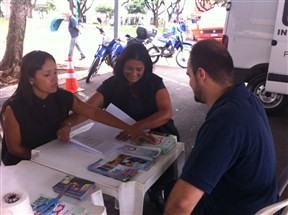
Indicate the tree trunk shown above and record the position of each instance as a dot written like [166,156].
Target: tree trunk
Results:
[15,38]
[29,9]
[155,16]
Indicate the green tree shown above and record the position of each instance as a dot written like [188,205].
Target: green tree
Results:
[15,38]
[45,8]
[135,6]
[105,9]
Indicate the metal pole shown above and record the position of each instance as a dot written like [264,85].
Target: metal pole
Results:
[116,18]
[76,10]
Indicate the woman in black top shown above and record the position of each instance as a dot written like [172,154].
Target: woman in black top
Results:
[137,91]
[142,95]
[34,113]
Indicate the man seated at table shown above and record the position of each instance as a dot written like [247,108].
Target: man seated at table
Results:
[231,168]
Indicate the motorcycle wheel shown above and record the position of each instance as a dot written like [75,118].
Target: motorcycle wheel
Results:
[154,54]
[93,69]
[182,57]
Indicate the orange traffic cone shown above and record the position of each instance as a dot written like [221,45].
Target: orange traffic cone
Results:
[71,82]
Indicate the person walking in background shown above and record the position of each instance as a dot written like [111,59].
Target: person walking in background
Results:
[74,33]
[183,28]
[231,168]
[142,95]
[34,113]
[175,30]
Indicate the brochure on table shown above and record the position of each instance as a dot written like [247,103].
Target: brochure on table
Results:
[100,138]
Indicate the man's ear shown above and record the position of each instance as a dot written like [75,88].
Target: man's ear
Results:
[201,73]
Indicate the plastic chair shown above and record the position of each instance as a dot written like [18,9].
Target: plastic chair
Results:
[283,180]
[271,209]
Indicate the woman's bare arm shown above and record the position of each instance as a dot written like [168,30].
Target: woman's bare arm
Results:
[13,135]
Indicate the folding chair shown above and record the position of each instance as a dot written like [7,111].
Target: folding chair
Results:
[273,208]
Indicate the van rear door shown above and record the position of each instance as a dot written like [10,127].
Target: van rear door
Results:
[277,78]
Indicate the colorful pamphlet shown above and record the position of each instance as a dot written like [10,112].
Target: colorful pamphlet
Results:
[79,189]
[61,209]
[148,153]
[122,167]
[165,143]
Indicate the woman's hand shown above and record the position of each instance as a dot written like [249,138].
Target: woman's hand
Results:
[123,136]
[63,132]
[137,136]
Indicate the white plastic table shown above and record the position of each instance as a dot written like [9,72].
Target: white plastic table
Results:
[37,179]
[130,195]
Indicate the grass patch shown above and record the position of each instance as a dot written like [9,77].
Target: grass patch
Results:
[4,30]
[4,22]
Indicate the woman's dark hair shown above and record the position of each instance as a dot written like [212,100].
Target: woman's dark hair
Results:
[31,62]
[214,58]
[142,87]
[134,51]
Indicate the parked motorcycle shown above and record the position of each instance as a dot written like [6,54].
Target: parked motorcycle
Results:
[107,51]
[168,47]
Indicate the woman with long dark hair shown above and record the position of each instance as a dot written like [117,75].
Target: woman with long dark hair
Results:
[38,107]
[142,95]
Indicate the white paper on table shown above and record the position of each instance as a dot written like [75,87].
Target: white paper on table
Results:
[100,138]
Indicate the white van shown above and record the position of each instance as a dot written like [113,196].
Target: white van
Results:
[256,35]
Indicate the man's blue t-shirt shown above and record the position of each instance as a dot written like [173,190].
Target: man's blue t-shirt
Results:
[71,26]
[233,160]
[183,26]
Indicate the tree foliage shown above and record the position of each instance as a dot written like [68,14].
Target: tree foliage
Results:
[45,8]
[105,9]
[135,6]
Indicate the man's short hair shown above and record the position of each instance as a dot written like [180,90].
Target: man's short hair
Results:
[214,58]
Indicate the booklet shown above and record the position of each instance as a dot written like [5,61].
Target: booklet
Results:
[88,141]
[63,208]
[148,153]
[121,167]
[165,143]
[79,189]
[100,138]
